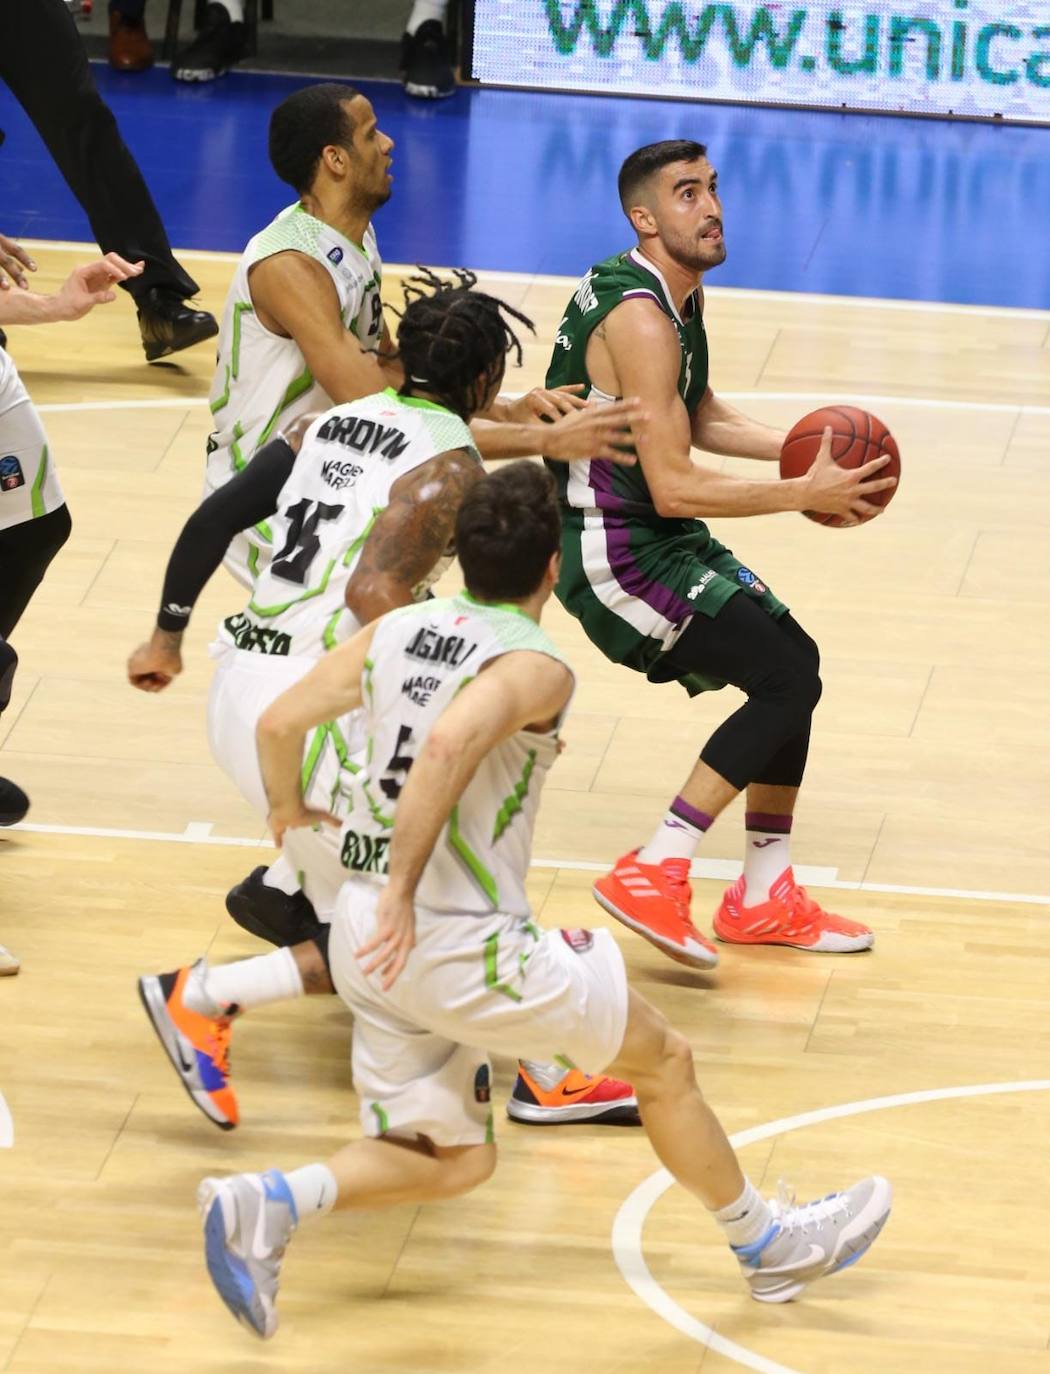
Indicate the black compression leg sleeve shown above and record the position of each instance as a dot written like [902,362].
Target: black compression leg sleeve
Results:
[776,666]
[786,767]
[26,551]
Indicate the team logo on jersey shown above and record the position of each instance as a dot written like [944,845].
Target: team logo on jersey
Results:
[483,1084]
[579,941]
[335,255]
[420,688]
[338,473]
[698,588]
[748,579]
[11,474]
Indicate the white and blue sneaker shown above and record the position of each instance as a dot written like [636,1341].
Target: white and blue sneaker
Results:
[248,1220]
[808,1242]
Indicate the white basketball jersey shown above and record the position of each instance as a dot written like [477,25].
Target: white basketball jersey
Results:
[350,458]
[420,658]
[29,485]
[262,379]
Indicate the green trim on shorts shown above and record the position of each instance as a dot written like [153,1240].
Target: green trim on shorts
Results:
[492,981]
[382,1120]
[35,494]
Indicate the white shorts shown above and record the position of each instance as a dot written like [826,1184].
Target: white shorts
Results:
[243,686]
[472,984]
[29,484]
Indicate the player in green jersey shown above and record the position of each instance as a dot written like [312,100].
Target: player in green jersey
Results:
[656,591]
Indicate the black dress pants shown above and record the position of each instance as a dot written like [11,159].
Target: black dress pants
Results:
[43,62]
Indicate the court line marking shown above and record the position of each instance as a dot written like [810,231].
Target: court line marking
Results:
[921,402]
[629,1221]
[7,1126]
[199,832]
[745,293]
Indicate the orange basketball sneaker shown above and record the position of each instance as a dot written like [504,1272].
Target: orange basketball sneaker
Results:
[790,916]
[547,1095]
[198,1045]
[653,899]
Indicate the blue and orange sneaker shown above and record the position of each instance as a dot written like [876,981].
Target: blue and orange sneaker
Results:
[548,1095]
[197,1043]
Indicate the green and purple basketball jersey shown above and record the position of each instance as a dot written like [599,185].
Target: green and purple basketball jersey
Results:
[632,577]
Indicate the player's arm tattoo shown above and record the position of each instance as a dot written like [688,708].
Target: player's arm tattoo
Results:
[412,533]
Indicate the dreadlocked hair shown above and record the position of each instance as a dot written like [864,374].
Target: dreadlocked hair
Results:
[451,338]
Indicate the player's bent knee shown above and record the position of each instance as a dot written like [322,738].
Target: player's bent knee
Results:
[466,1167]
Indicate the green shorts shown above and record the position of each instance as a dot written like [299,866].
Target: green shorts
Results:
[633,587]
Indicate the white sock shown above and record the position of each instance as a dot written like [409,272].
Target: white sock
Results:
[423,10]
[314,1189]
[678,834]
[548,1076]
[747,1219]
[282,876]
[766,854]
[251,982]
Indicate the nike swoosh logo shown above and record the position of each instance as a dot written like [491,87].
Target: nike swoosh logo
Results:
[576,1092]
[817,1254]
[186,1067]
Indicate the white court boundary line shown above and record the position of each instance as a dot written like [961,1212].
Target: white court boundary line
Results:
[7,1126]
[921,402]
[743,293]
[630,1219]
[199,832]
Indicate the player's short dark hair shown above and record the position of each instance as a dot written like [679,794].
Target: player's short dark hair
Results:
[643,162]
[303,125]
[451,338]
[507,530]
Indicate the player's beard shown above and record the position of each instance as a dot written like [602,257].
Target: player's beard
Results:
[698,255]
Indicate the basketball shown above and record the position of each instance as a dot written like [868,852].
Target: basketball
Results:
[857,437]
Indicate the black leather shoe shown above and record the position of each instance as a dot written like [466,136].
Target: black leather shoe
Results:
[168,324]
[270,914]
[426,62]
[14,804]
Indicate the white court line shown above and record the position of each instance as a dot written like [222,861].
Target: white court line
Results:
[7,1126]
[630,1219]
[823,397]
[199,832]
[743,293]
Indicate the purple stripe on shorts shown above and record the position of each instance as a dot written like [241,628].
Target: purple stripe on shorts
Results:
[699,820]
[634,582]
[767,821]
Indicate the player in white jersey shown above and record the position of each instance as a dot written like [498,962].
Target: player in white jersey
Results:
[303,323]
[34,519]
[362,501]
[442,964]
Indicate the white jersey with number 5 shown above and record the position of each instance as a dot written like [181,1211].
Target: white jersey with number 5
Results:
[420,658]
[262,380]
[350,458]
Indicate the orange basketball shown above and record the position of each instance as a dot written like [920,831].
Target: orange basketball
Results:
[857,437]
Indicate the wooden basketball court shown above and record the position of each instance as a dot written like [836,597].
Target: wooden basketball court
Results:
[927,804]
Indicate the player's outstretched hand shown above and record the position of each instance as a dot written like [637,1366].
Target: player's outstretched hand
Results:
[13,257]
[604,431]
[835,490]
[298,817]
[541,404]
[387,953]
[92,284]
[154,665]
